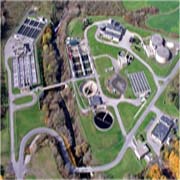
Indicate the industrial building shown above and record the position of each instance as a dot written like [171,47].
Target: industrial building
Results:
[158,49]
[23,60]
[141,149]
[80,61]
[24,67]
[139,84]
[162,129]
[113,30]
[162,54]
[124,59]
[95,101]
[31,27]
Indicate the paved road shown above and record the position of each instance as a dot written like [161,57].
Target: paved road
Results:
[8,52]
[20,166]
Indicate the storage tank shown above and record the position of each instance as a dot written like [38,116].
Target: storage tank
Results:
[162,54]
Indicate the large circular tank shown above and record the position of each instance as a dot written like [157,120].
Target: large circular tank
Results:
[89,89]
[103,120]
[156,40]
[162,54]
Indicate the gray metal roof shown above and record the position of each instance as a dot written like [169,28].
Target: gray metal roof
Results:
[115,26]
[166,120]
[163,52]
[95,100]
[161,131]
[156,40]
[113,34]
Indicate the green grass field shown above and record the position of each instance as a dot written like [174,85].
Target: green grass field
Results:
[141,129]
[82,100]
[166,19]
[15,90]
[26,120]
[43,166]
[165,105]
[128,165]
[127,112]
[163,6]
[168,23]
[101,65]
[23,100]
[5,141]
[75,28]
[104,145]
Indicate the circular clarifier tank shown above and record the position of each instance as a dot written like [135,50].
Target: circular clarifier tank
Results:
[89,89]
[103,120]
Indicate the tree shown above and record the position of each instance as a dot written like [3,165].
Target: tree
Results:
[84,147]
[154,172]
[87,157]
[45,48]
[174,164]
[78,151]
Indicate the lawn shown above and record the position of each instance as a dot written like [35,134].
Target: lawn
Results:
[43,166]
[127,112]
[23,100]
[163,6]
[98,48]
[164,102]
[166,106]
[168,23]
[75,28]
[101,65]
[133,6]
[26,120]
[141,129]
[5,141]
[82,100]
[159,69]
[104,145]
[129,165]
[16,91]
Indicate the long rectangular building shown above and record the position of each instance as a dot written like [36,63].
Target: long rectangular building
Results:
[24,69]
[113,30]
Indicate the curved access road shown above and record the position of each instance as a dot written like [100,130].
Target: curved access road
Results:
[20,166]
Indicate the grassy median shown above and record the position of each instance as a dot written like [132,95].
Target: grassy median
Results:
[23,100]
